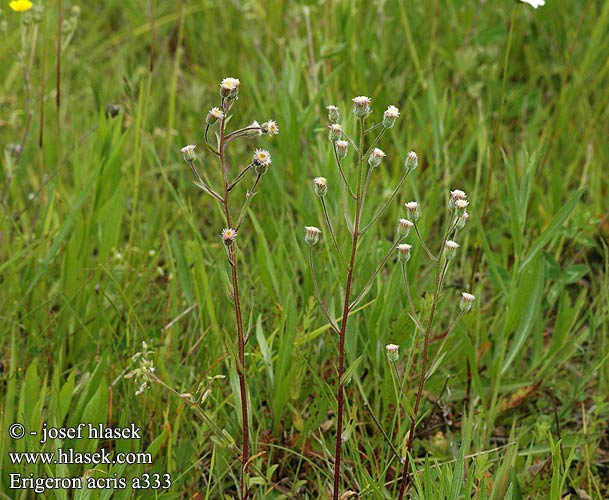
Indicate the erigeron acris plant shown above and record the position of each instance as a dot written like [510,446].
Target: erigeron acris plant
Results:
[257,166]
[353,200]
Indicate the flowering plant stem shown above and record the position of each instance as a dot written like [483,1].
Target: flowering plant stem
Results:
[232,259]
[346,309]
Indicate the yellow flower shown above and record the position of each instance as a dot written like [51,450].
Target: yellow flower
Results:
[20,5]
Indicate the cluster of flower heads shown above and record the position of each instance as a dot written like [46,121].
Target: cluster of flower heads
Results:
[144,368]
[261,158]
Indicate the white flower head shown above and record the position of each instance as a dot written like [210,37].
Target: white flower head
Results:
[404,226]
[229,87]
[534,3]
[228,236]
[188,152]
[413,210]
[321,186]
[404,252]
[253,129]
[312,234]
[411,162]
[390,116]
[214,115]
[392,352]
[374,160]
[450,248]
[341,148]
[461,204]
[335,131]
[261,160]
[269,128]
[361,106]
[333,114]
[467,299]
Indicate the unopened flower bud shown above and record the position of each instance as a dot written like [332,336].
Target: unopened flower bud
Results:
[404,226]
[189,153]
[228,236]
[450,248]
[270,128]
[333,114]
[361,106]
[390,116]
[413,211]
[392,352]
[466,302]
[462,220]
[213,115]
[374,160]
[229,88]
[411,161]
[312,234]
[321,186]
[335,131]
[261,160]
[404,252]
[341,148]
[254,130]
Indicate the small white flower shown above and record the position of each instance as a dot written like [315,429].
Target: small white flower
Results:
[404,252]
[321,186]
[466,302]
[335,131]
[270,128]
[534,3]
[404,226]
[341,148]
[413,210]
[229,87]
[461,204]
[374,160]
[450,248]
[361,106]
[189,153]
[333,114]
[390,116]
[411,161]
[312,234]
[261,158]
[392,352]
[228,236]
[214,115]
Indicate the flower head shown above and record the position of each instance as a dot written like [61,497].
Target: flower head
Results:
[411,161]
[261,160]
[450,248]
[404,252]
[188,152]
[413,211]
[214,115]
[20,5]
[333,114]
[361,106]
[335,131]
[229,87]
[312,234]
[228,236]
[392,352]
[404,226]
[270,128]
[534,3]
[374,160]
[321,186]
[390,116]
[462,220]
[466,302]
[341,148]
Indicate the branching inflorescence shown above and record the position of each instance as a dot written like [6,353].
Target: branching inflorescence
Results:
[258,165]
[353,191]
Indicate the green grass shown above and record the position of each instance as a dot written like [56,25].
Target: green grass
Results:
[104,241]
